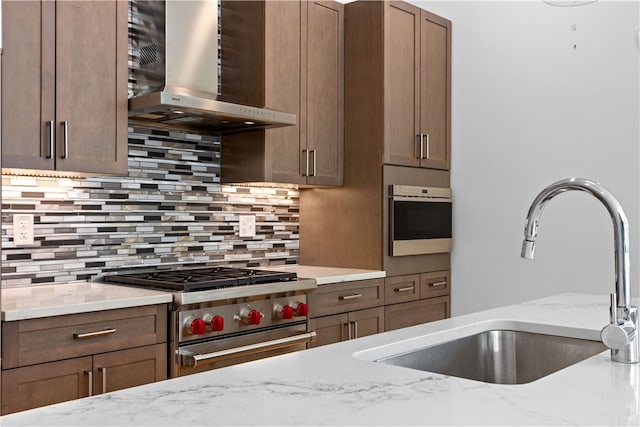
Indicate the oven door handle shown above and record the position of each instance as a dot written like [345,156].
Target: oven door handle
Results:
[194,360]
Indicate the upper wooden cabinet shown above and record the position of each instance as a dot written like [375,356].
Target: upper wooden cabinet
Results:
[410,49]
[303,73]
[64,86]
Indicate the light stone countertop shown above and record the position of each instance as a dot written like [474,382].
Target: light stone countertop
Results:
[78,297]
[327,275]
[339,385]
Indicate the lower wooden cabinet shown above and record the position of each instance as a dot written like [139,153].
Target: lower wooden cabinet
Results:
[56,359]
[346,326]
[343,311]
[54,382]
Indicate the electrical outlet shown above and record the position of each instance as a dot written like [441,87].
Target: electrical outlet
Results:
[23,229]
[247,225]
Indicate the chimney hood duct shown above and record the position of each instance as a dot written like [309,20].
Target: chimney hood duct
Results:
[175,72]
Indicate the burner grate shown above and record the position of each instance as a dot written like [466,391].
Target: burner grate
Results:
[203,278]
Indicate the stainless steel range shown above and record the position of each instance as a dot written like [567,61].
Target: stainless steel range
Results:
[224,316]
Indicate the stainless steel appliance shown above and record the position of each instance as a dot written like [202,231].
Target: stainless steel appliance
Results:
[419,220]
[223,316]
[175,71]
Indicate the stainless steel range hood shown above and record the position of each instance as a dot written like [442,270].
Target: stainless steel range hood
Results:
[175,72]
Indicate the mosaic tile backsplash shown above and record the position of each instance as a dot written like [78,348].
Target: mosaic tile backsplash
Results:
[170,210]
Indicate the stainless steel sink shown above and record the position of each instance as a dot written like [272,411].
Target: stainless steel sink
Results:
[499,356]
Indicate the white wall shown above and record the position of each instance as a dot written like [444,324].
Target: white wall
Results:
[529,109]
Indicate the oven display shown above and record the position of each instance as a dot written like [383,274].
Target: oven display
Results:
[416,220]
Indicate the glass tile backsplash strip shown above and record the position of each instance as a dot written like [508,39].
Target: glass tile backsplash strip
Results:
[170,210]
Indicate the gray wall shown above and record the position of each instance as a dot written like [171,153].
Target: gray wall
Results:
[540,93]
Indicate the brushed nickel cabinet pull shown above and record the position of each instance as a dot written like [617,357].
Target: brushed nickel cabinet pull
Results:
[348,297]
[104,379]
[77,336]
[306,153]
[355,329]
[52,138]
[90,374]
[428,150]
[421,143]
[65,127]
[348,325]
[315,163]
[406,289]
[438,284]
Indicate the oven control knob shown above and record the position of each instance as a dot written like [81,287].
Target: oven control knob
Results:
[301,309]
[254,317]
[216,323]
[195,326]
[249,316]
[284,311]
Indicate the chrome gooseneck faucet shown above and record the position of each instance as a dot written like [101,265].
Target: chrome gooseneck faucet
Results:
[621,334]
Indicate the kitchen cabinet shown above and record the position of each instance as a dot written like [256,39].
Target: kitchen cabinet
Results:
[303,67]
[417,61]
[346,326]
[64,86]
[54,359]
[416,298]
[347,310]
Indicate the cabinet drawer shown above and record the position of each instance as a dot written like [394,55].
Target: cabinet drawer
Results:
[27,342]
[401,289]
[346,296]
[435,284]
[416,312]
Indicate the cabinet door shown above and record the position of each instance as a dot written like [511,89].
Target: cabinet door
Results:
[91,86]
[28,84]
[45,384]
[129,368]
[283,73]
[402,84]
[435,88]
[330,329]
[366,322]
[324,54]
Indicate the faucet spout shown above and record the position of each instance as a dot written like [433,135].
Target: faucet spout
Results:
[618,217]
[621,335]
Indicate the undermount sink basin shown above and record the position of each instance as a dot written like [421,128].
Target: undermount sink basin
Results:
[499,356]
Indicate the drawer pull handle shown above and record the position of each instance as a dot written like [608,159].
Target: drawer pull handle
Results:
[94,334]
[407,289]
[438,284]
[348,297]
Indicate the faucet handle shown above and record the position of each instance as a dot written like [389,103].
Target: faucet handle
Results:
[617,336]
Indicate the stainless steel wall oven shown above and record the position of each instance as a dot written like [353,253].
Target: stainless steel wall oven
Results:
[419,220]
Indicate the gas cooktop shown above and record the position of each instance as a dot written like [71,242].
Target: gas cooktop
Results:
[201,278]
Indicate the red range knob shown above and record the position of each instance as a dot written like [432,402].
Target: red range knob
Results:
[217,323]
[301,309]
[286,312]
[196,326]
[254,317]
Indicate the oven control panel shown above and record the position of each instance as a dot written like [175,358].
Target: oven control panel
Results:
[207,322]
